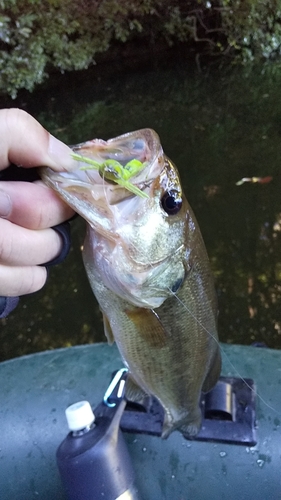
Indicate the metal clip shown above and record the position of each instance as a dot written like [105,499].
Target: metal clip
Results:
[119,378]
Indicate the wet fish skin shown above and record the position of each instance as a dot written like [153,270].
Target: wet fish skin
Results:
[136,257]
[169,355]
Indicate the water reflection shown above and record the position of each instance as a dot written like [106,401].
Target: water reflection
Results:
[218,129]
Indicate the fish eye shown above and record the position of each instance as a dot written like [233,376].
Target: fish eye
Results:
[171,202]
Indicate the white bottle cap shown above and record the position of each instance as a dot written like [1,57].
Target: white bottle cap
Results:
[79,415]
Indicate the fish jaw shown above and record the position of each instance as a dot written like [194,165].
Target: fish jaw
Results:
[89,194]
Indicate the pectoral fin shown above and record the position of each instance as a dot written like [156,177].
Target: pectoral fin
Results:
[149,326]
[133,391]
[107,330]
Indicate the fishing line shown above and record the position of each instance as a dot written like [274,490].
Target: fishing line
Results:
[221,348]
[217,342]
[198,321]
[224,353]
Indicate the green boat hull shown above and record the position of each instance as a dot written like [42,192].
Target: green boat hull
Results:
[36,389]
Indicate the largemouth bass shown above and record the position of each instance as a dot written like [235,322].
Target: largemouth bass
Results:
[149,270]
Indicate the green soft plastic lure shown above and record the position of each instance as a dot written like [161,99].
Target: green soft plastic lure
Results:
[113,171]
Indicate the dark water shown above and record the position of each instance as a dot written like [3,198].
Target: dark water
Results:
[218,128]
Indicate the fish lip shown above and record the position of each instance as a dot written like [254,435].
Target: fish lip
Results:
[71,180]
[150,153]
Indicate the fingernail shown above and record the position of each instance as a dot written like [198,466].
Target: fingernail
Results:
[60,154]
[5,204]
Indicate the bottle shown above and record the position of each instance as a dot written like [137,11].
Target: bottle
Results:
[93,459]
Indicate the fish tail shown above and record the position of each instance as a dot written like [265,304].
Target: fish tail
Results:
[189,425]
[191,430]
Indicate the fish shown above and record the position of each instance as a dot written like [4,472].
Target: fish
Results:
[254,180]
[149,270]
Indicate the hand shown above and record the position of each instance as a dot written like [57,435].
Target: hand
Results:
[28,210]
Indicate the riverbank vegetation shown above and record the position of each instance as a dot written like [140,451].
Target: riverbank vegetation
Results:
[40,36]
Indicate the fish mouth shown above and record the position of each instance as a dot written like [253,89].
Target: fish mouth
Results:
[112,206]
[110,170]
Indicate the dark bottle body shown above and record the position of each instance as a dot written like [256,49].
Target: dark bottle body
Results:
[94,464]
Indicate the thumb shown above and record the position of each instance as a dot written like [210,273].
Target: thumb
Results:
[26,143]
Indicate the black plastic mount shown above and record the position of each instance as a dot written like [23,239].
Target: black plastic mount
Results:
[228,413]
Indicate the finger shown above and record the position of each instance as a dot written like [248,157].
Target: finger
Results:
[16,281]
[26,143]
[32,205]
[24,247]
